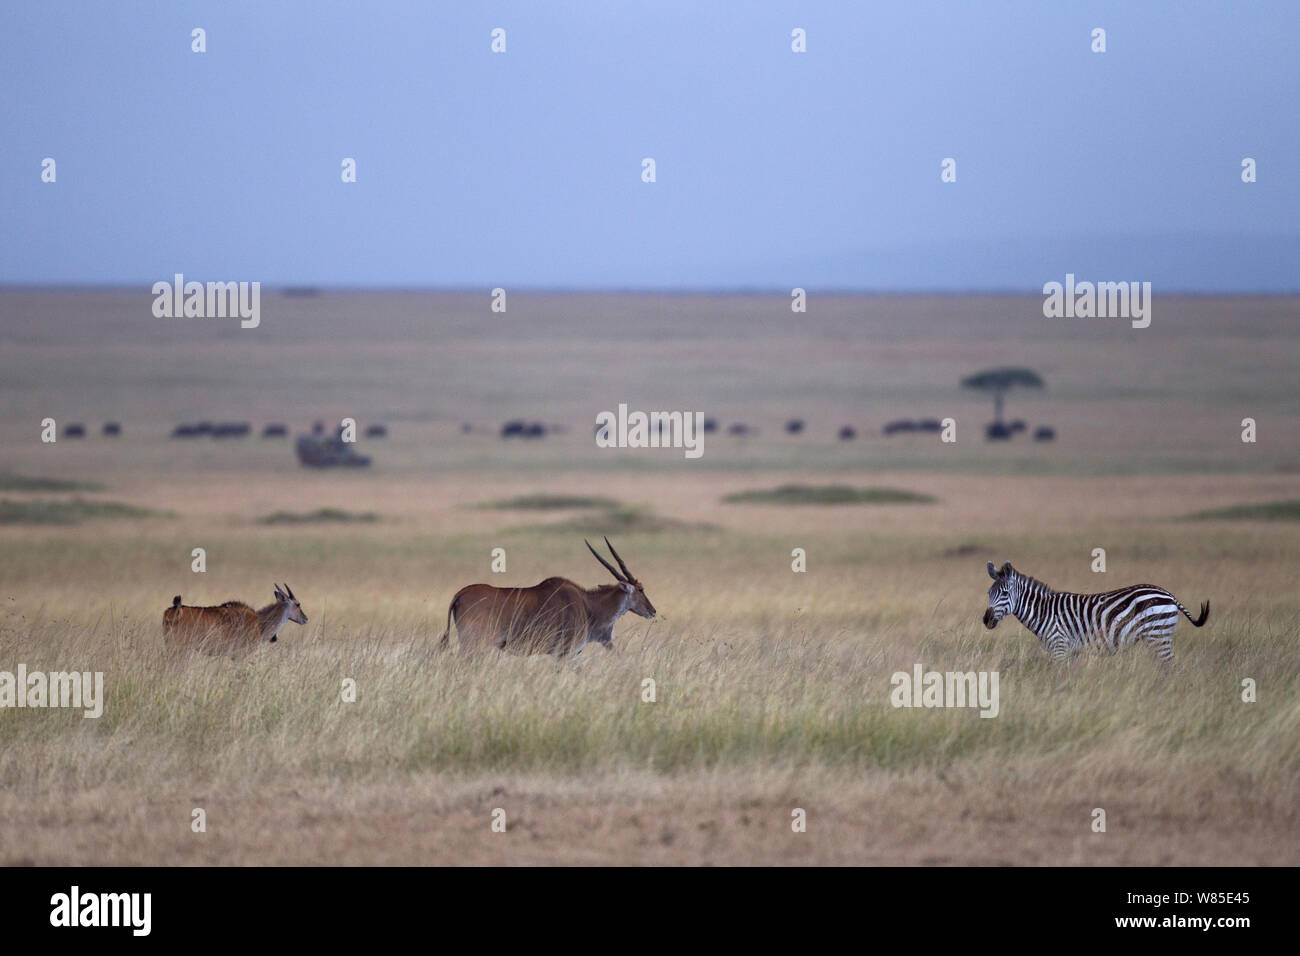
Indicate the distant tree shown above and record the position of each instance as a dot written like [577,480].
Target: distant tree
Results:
[999,381]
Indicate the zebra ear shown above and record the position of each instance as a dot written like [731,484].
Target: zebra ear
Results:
[992,573]
[1006,568]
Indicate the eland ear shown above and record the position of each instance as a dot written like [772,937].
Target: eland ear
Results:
[992,572]
[624,586]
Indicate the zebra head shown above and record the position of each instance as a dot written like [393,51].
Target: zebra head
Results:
[1003,595]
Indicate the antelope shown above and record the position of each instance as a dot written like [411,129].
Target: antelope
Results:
[230,627]
[553,617]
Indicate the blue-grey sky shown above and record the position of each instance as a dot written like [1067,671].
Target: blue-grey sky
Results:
[774,169]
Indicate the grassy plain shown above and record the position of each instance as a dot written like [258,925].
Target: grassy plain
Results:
[772,687]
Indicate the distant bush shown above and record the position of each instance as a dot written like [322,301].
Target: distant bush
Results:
[10,482]
[1266,511]
[320,515]
[550,503]
[69,512]
[619,521]
[827,495]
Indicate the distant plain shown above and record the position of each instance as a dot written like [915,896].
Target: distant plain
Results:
[773,687]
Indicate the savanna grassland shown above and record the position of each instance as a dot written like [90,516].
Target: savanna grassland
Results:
[772,687]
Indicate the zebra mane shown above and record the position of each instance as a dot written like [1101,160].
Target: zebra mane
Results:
[1029,582]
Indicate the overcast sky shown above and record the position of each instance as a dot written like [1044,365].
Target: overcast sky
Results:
[774,169]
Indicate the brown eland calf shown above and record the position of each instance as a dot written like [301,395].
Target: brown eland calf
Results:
[553,617]
[233,627]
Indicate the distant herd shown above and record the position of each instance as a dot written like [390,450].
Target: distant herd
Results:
[526,429]
[557,616]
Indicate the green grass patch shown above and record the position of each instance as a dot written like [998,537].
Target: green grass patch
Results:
[9,482]
[69,512]
[1266,511]
[319,516]
[550,503]
[827,495]
[619,521]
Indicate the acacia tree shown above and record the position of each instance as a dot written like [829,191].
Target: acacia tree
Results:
[999,381]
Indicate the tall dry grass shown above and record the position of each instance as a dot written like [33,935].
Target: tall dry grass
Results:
[762,694]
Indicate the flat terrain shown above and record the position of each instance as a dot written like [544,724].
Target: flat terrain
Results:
[772,687]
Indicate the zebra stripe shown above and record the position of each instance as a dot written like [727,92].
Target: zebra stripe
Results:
[1066,623]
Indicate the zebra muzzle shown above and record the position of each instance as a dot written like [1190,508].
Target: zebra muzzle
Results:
[989,620]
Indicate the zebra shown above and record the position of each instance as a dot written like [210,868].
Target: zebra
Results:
[1065,623]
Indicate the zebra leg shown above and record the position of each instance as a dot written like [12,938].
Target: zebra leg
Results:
[1057,647]
[1162,643]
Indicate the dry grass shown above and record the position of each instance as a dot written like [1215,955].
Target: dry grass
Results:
[772,687]
[772,694]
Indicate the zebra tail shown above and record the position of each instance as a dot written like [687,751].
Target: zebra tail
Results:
[1196,621]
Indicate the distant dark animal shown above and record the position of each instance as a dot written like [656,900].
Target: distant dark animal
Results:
[317,451]
[275,430]
[710,425]
[997,431]
[193,430]
[75,430]
[900,425]
[848,433]
[377,431]
[518,428]
[1044,433]
[929,425]
[1017,425]
[794,426]
[311,451]
[741,430]
[112,429]
[466,428]
[231,430]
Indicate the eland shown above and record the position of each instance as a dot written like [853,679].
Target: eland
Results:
[554,617]
[233,627]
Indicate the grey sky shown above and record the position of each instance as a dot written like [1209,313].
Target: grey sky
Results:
[774,169]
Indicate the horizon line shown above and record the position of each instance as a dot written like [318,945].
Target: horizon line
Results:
[306,289]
